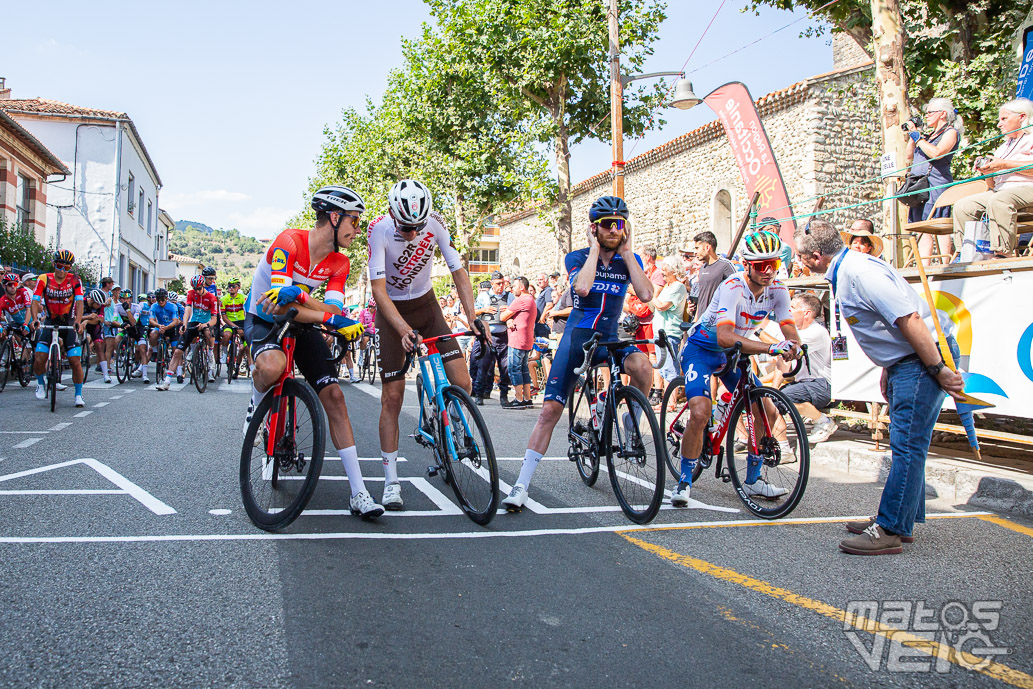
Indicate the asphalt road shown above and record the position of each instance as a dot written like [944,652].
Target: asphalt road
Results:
[126,560]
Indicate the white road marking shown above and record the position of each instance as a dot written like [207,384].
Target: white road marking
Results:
[60,426]
[22,432]
[116,397]
[109,491]
[367,388]
[126,392]
[98,405]
[263,536]
[28,442]
[127,487]
[238,388]
[82,414]
[219,512]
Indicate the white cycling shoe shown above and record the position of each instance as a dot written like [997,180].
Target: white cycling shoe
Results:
[517,498]
[392,499]
[41,392]
[79,401]
[363,505]
[762,489]
[680,495]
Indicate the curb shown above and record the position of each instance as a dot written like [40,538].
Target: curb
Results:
[981,486]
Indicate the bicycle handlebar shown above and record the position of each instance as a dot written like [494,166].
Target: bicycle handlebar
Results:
[593,343]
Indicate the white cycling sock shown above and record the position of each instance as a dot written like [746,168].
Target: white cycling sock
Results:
[257,397]
[350,459]
[531,459]
[179,370]
[104,368]
[390,466]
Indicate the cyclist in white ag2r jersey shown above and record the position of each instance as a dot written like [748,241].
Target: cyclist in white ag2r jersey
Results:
[401,253]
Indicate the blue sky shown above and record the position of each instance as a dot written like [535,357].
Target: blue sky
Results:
[231,98]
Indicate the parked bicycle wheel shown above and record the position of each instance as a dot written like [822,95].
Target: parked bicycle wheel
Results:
[6,361]
[199,367]
[771,483]
[23,366]
[472,471]
[276,486]
[583,445]
[635,455]
[87,347]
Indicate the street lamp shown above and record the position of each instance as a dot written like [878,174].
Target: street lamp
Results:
[684,98]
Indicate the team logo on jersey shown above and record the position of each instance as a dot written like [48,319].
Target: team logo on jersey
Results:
[279,261]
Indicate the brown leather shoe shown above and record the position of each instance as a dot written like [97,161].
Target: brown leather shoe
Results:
[859,527]
[874,541]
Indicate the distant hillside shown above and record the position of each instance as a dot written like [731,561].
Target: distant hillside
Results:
[183,225]
[232,254]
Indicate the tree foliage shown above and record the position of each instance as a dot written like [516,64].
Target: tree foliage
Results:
[549,59]
[953,49]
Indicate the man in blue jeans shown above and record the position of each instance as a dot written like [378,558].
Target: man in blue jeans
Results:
[895,329]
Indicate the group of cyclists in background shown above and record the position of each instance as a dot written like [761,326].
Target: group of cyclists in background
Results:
[402,247]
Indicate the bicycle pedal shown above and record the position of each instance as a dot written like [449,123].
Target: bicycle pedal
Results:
[432,471]
[726,477]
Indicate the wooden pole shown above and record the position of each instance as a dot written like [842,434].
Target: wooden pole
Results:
[742,224]
[616,101]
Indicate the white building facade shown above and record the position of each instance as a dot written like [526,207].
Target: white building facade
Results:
[105,212]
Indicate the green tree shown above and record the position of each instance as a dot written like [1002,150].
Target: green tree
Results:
[549,59]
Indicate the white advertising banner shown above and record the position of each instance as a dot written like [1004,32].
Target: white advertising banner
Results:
[994,328]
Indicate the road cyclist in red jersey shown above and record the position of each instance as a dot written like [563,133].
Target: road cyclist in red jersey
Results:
[296,263]
[58,301]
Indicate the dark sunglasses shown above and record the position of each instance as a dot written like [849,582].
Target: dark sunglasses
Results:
[62,266]
[608,223]
[412,228]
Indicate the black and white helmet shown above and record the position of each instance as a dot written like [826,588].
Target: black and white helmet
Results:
[410,202]
[337,199]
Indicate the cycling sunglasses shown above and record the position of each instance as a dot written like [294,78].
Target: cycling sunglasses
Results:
[607,223]
[62,266]
[411,228]
[766,265]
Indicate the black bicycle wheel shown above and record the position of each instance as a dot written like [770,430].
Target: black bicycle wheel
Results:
[582,442]
[473,472]
[674,417]
[159,360]
[634,455]
[122,361]
[6,361]
[371,363]
[780,470]
[84,358]
[24,365]
[54,365]
[199,366]
[276,487]
[216,362]
[231,360]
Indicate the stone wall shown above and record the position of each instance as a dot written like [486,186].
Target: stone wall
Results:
[675,190]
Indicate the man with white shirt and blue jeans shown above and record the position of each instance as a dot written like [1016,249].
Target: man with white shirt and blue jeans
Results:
[894,328]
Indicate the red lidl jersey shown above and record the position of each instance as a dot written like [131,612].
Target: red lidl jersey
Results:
[286,263]
[58,297]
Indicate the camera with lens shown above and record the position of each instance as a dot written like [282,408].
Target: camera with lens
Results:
[982,161]
[916,121]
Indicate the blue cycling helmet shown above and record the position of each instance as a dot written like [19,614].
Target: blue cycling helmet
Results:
[608,207]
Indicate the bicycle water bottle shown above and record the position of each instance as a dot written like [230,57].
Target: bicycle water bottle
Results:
[599,410]
[721,408]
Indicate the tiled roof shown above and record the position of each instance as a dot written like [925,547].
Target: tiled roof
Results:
[33,143]
[766,105]
[43,106]
[183,259]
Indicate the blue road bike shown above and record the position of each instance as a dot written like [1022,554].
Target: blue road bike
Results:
[452,427]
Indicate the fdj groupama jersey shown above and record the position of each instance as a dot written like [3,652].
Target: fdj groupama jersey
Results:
[735,304]
[58,297]
[233,306]
[286,263]
[202,305]
[405,266]
[15,308]
[600,309]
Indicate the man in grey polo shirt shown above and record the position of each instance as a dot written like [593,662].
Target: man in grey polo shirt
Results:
[895,329]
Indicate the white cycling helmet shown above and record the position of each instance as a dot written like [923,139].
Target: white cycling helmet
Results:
[761,245]
[410,203]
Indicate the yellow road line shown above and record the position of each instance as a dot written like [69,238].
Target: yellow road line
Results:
[1008,524]
[786,522]
[894,634]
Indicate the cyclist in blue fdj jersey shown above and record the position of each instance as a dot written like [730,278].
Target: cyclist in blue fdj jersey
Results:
[739,306]
[165,322]
[143,350]
[599,277]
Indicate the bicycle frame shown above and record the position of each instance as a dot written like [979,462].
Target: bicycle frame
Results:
[279,414]
[431,363]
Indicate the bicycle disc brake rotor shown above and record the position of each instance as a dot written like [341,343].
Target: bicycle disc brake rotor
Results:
[770,451]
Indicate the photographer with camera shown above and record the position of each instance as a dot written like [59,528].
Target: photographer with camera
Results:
[932,155]
[1009,191]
